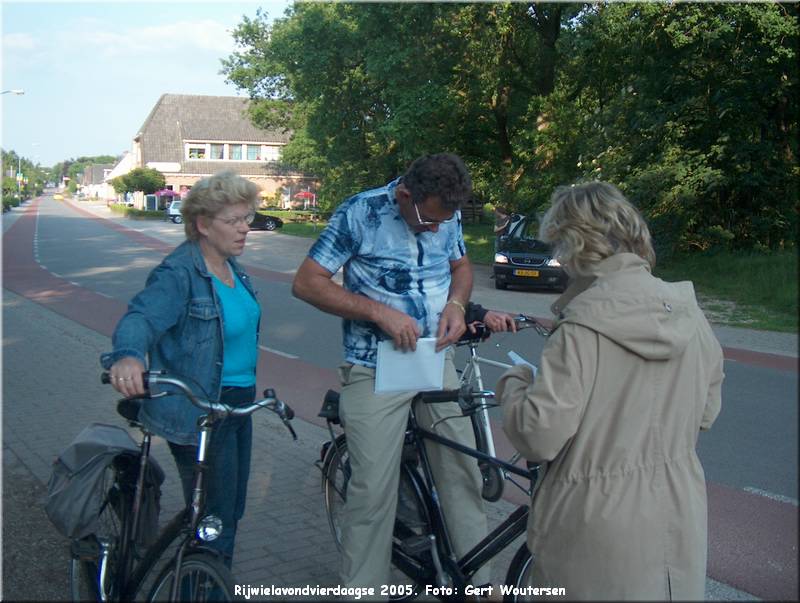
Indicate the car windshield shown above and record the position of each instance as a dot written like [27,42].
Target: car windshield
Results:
[528,229]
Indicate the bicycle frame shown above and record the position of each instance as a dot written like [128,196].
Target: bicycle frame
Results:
[497,540]
[127,579]
[473,368]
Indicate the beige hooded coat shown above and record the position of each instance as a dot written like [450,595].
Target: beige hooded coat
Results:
[626,381]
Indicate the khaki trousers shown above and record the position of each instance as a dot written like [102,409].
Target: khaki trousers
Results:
[375,426]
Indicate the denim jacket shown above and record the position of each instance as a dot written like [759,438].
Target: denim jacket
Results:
[177,321]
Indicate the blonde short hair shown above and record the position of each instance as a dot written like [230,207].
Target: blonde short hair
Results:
[211,195]
[587,223]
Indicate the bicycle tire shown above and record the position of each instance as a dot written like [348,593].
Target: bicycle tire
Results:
[85,564]
[176,527]
[518,575]
[491,475]
[335,477]
[82,580]
[203,578]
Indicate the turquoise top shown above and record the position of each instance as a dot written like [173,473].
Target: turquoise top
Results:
[240,315]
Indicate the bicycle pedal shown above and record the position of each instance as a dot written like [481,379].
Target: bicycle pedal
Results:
[416,544]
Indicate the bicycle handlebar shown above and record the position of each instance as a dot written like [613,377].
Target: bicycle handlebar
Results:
[270,400]
[523,321]
[482,332]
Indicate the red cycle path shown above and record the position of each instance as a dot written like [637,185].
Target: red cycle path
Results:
[752,539]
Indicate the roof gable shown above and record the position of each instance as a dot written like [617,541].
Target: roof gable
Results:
[176,118]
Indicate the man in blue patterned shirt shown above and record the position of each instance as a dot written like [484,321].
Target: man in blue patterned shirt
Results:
[406,275]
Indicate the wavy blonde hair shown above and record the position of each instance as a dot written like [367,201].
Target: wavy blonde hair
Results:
[211,195]
[587,223]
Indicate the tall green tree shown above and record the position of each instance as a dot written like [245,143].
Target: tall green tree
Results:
[34,175]
[690,108]
[366,88]
[146,180]
[700,125]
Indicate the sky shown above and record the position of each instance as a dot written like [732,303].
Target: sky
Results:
[92,71]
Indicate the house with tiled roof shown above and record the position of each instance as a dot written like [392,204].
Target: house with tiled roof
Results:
[188,137]
[94,181]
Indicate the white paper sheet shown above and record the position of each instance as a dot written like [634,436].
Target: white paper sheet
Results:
[517,359]
[397,371]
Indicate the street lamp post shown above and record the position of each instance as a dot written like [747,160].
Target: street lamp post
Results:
[18,92]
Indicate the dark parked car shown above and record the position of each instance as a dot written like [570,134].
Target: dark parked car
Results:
[523,260]
[265,222]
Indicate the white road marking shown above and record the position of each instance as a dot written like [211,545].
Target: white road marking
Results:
[772,495]
[278,352]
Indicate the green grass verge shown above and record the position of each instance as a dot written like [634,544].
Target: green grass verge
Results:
[752,290]
[303,229]
[480,242]
[755,290]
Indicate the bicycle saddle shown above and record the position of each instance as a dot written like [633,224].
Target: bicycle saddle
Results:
[330,407]
[128,408]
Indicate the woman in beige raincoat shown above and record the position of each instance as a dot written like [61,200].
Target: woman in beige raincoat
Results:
[629,376]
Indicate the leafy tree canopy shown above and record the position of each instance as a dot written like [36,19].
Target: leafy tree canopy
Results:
[690,108]
[146,180]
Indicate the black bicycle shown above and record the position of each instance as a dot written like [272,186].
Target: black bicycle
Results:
[109,565]
[421,547]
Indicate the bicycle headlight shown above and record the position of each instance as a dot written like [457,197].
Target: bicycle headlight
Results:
[209,528]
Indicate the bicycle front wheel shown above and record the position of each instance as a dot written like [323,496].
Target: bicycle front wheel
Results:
[491,475]
[518,576]
[336,475]
[203,577]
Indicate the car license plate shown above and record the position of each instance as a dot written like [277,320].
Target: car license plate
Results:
[533,273]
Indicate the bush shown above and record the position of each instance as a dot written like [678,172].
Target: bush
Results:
[8,203]
[130,212]
[291,215]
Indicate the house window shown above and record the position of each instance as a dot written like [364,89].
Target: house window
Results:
[273,153]
[217,151]
[235,151]
[253,152]
[197,152]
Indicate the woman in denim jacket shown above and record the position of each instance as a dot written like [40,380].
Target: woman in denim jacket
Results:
[198,317]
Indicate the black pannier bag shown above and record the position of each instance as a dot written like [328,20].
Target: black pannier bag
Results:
[75,496]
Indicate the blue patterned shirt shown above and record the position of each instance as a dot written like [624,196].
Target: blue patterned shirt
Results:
[388,262]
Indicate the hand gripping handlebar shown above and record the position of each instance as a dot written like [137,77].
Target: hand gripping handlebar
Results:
[270,400]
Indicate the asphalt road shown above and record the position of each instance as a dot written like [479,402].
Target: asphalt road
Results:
[750,456]
[757,428]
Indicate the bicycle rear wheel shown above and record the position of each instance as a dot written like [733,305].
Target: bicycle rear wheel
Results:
[518,576]
[335,477]
[203,577]
[95,559]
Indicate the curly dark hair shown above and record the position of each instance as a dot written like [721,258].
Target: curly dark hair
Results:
[442,175]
